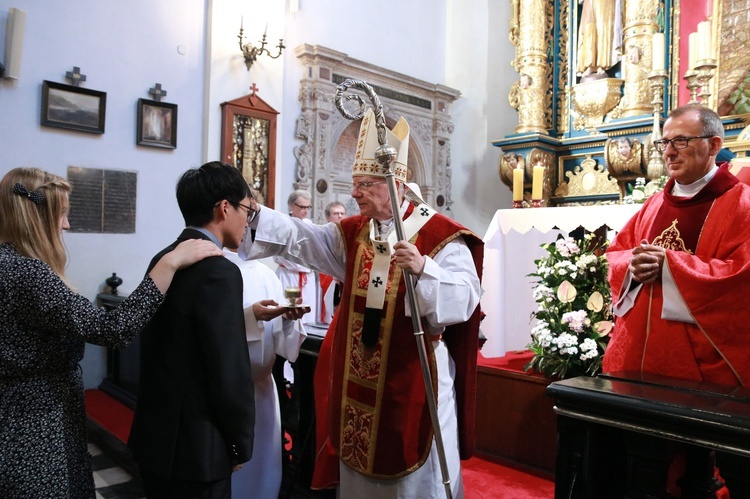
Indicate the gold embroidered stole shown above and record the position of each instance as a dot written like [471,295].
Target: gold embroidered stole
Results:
[376,433]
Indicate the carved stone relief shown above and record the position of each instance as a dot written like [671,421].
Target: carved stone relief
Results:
[325,156]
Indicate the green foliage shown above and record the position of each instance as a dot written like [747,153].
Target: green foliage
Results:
[740,97]
[573,308]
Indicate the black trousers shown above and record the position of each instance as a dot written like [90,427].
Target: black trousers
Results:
[157,487]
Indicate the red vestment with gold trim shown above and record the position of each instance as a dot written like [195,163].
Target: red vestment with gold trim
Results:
[707,241]
[378,420]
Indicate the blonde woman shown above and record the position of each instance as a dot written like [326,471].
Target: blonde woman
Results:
[43,328]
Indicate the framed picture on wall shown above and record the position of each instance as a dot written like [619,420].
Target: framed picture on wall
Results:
[156,124]
[73,108]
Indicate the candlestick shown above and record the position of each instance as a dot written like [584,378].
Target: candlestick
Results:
[656,167]
[657,51]
[692,85]
[517,187]
[705,71]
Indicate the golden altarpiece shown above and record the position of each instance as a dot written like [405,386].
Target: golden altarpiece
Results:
[597,78]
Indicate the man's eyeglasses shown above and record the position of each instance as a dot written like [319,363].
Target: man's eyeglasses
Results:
[251,213]
[302,207]
[363,186]
[677,142]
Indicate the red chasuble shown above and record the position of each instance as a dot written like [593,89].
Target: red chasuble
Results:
[707,241]
[378,420]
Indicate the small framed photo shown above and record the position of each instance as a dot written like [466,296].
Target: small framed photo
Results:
[157,124]
[74,108]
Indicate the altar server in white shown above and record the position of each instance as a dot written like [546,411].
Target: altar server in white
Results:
[294,274]
[261,476]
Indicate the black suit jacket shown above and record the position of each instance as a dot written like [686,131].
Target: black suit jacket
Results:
[195,413]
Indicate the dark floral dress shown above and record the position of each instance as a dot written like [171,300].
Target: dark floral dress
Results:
[43,328]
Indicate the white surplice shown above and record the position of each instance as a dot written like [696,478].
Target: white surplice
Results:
[261,476]
[292,273]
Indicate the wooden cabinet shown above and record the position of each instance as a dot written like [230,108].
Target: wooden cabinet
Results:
[622,435]
[515,418]
[123,364]
[248,141]
[297,403]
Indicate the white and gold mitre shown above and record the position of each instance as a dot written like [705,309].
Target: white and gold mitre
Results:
[365,162]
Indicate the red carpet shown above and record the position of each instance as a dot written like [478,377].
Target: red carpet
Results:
[108,413]
[484,478]
[511,361]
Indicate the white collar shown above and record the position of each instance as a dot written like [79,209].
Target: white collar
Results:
[385,226]
[690,190]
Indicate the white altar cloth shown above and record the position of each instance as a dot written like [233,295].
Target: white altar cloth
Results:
[511,246]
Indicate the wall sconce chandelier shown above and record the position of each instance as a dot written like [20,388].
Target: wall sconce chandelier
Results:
[251,52]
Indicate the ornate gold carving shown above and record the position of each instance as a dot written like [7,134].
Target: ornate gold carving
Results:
[549,41]
[623,156]
[539,157]
[515,26]
[741,145]
[587,179]
[506,164]
[639,26]
[624,163]
[732,86]
[529,95]
[675,77]
[563,102]
[592,100]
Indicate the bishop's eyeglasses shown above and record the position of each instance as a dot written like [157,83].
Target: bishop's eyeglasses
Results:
[677,142]
[363,186]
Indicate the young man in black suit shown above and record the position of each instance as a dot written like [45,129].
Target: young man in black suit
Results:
[194,419]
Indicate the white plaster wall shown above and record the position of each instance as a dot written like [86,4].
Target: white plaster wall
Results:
[124,47]
[459,43]
[404,36]
[228,77]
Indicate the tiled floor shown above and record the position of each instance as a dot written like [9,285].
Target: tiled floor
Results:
[112,481]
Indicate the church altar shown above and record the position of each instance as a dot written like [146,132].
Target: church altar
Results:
[512,242]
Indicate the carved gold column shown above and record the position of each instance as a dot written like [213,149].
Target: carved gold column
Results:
[640,25]
[528,95]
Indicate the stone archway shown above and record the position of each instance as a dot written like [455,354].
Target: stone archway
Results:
[329,140]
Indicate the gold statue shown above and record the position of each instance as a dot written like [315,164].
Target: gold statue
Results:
[599,37]
[624,156]
[626,160]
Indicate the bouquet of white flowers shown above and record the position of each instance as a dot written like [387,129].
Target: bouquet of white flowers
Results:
[641,191]
[573,315]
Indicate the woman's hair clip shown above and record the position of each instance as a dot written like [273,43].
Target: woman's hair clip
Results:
[36,196]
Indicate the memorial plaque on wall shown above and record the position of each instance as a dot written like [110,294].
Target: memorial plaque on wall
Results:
[102,201]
